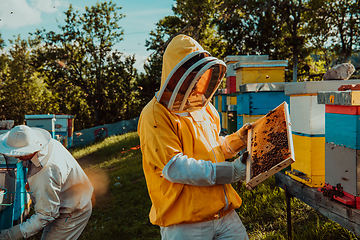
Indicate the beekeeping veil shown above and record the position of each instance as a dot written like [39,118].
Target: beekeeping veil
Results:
[21,141]
[190,75]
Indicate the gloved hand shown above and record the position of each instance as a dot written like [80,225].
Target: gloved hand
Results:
[235,142]
[230,172]
[13,233]
[242,132]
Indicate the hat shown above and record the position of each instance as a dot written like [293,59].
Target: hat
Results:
[23,140]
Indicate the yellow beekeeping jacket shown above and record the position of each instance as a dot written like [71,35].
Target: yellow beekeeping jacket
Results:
[164,134]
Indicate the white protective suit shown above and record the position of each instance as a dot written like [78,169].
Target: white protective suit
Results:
[62,195]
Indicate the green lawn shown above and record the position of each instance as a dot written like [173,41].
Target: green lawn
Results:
[122,203]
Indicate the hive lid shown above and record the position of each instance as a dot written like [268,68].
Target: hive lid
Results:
[270,146]
[245,58]
[260,87]
[344,98]
[307,87]
[268,63]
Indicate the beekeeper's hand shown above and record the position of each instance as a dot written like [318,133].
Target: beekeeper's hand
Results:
[230,172]
[13,233]
[235,142]
[242,132]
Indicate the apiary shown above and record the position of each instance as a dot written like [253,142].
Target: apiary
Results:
[260,71]
[230,61]
[270,146]
[342,146]
[308,129]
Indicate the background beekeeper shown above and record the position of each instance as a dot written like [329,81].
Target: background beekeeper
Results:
[183,155]
[58,185]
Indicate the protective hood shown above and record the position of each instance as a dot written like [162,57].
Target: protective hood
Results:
[190,75]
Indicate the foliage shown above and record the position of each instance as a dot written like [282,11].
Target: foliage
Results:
[84,69]
[333,29]
[22,90]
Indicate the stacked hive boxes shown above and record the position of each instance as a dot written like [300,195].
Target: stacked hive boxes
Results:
[342,146]
[232,85]
[249,94]
[308,130]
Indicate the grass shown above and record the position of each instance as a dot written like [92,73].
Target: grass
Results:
[122,202]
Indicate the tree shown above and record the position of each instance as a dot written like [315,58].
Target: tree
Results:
[22,90]
[79,61]
[333,27]
[193,18]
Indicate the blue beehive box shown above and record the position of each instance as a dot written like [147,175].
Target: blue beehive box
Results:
[44,121]
[223,103]
[342,144]
[15,203]
[260,98]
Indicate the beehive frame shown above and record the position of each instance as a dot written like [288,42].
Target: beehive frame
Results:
[252,181]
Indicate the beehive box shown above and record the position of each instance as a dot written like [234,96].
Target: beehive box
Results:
[242,119]
[232,120]
[270,146]
[342,137]
[14,204]
[230,61]
[260,98]
[215,101]
[308,129]
[224,121]
[223,103]
[44,121]
[260,71]
[64,129]
[219,103]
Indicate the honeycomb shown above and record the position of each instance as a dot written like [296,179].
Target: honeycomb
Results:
[269,142]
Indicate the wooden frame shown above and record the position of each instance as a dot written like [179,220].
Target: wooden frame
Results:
[251,182]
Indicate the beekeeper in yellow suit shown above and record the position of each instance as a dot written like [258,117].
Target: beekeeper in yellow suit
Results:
[188,180]
[58,186]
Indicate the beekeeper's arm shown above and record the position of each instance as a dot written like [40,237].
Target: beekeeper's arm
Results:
[185,170]
[234,143]
[45,189]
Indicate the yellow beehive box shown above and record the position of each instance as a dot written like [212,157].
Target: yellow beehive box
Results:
[310,159]
[231,100]
[260,72]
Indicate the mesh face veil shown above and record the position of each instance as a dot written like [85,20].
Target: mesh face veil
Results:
[192,82]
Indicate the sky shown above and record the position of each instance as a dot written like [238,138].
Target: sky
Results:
[24,16]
